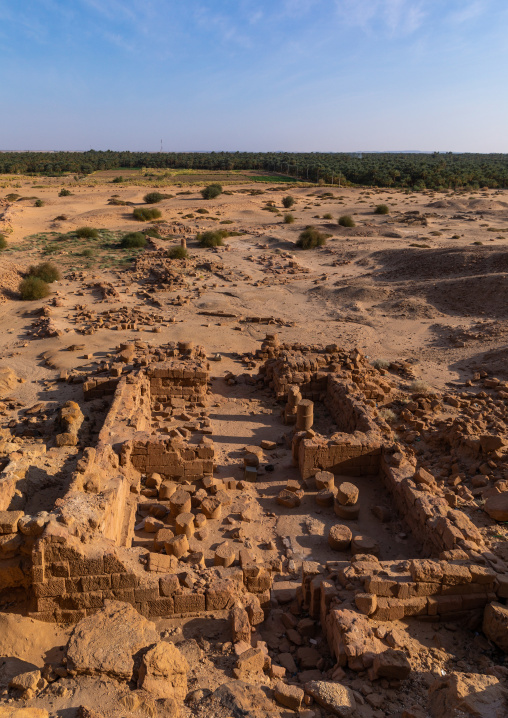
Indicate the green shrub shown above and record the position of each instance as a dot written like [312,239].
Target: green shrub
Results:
[117,180]
[288,201]
[133,240]
[3,242]
[328,216]
[88,253]
[12,197]
[288,218]
[212,239]
[178,253]
[213,190]
[153,197]
[39,203]
[202,210]
[117,202]
[382,209]
[61,218]
[45,271]
[87,233]
[64,193]
[346,221]
[33,288]
[310,238]
[145,214]
[152,232]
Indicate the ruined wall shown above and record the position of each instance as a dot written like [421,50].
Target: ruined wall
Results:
[171,458]
[186,380]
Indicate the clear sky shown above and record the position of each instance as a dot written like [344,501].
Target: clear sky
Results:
[260,75]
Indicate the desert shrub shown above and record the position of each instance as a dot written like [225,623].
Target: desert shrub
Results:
[33,288]
[117,180]
[39,203]
[12,197]
[61,218]
[145,214]
[87,233]
[154,197]
[419,387]
[388,415]
[178,252]
[45,271]
[202,210]
[226,221]
[64,193]
[133,240]
[346,221]
[382,209]
[152,232]
[288,201]
[288,218]
[213,190]
[328,216]
[310,238]
[117,202]
[88,253]
[380,364]
[3,242]
[212,239]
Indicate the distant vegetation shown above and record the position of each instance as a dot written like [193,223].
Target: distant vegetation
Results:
[3,242]
[45,271]
[311,238]
[382,209]
[212,191]
[64,193]
[211,238]
[288,201]
[134,240]
[144,214]
[154,197]
[289,218]
[385,169]
[178,252]
[33,288]
[87,233]
[347,221]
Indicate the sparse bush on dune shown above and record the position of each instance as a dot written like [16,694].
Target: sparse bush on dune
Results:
[212,239]
[3,242]
[64,193]
[145,214]
[12,197]
[346,221]
[178,252]
[33,288]
[117,180]
[382,209]
[328,216]
[211,191]
[419,387]
[88,253]
[39,203]
[311,238]
[87,233]
[288,201]
[133,240]
[45,271]
[154,197]
[288,218]
[202,210]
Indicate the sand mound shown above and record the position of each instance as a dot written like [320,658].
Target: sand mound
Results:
[365,294]
[484,204]
[10,277]
[412,263]
[410,307]
[455,204]
[474,296]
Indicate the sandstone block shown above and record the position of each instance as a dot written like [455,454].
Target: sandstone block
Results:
[339,537]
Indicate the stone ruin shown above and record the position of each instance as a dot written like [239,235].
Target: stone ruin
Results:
[155,444]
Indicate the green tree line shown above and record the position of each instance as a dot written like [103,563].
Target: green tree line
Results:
[405,170]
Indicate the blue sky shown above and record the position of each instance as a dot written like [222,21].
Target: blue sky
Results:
[295,75]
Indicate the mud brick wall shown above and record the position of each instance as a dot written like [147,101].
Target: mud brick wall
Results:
[172,459]
[347,454]
[15,547]
[98,387]
[72,580]
[435,525]
[182,379]
[307,371]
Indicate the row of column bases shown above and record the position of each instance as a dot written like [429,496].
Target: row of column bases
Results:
[299,411]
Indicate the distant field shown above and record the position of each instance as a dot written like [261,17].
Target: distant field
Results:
[189,176]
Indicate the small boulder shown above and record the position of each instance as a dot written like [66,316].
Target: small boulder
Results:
[163,672]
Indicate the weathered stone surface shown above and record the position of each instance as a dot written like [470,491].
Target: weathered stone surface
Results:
[241,699]
[468,694]
[163,672]
[333,696]
[497,506]
[107,641]
[391,664]
[289,696]
[495,624]
[339,537]
[347,494]
[8,381]
[26,683]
